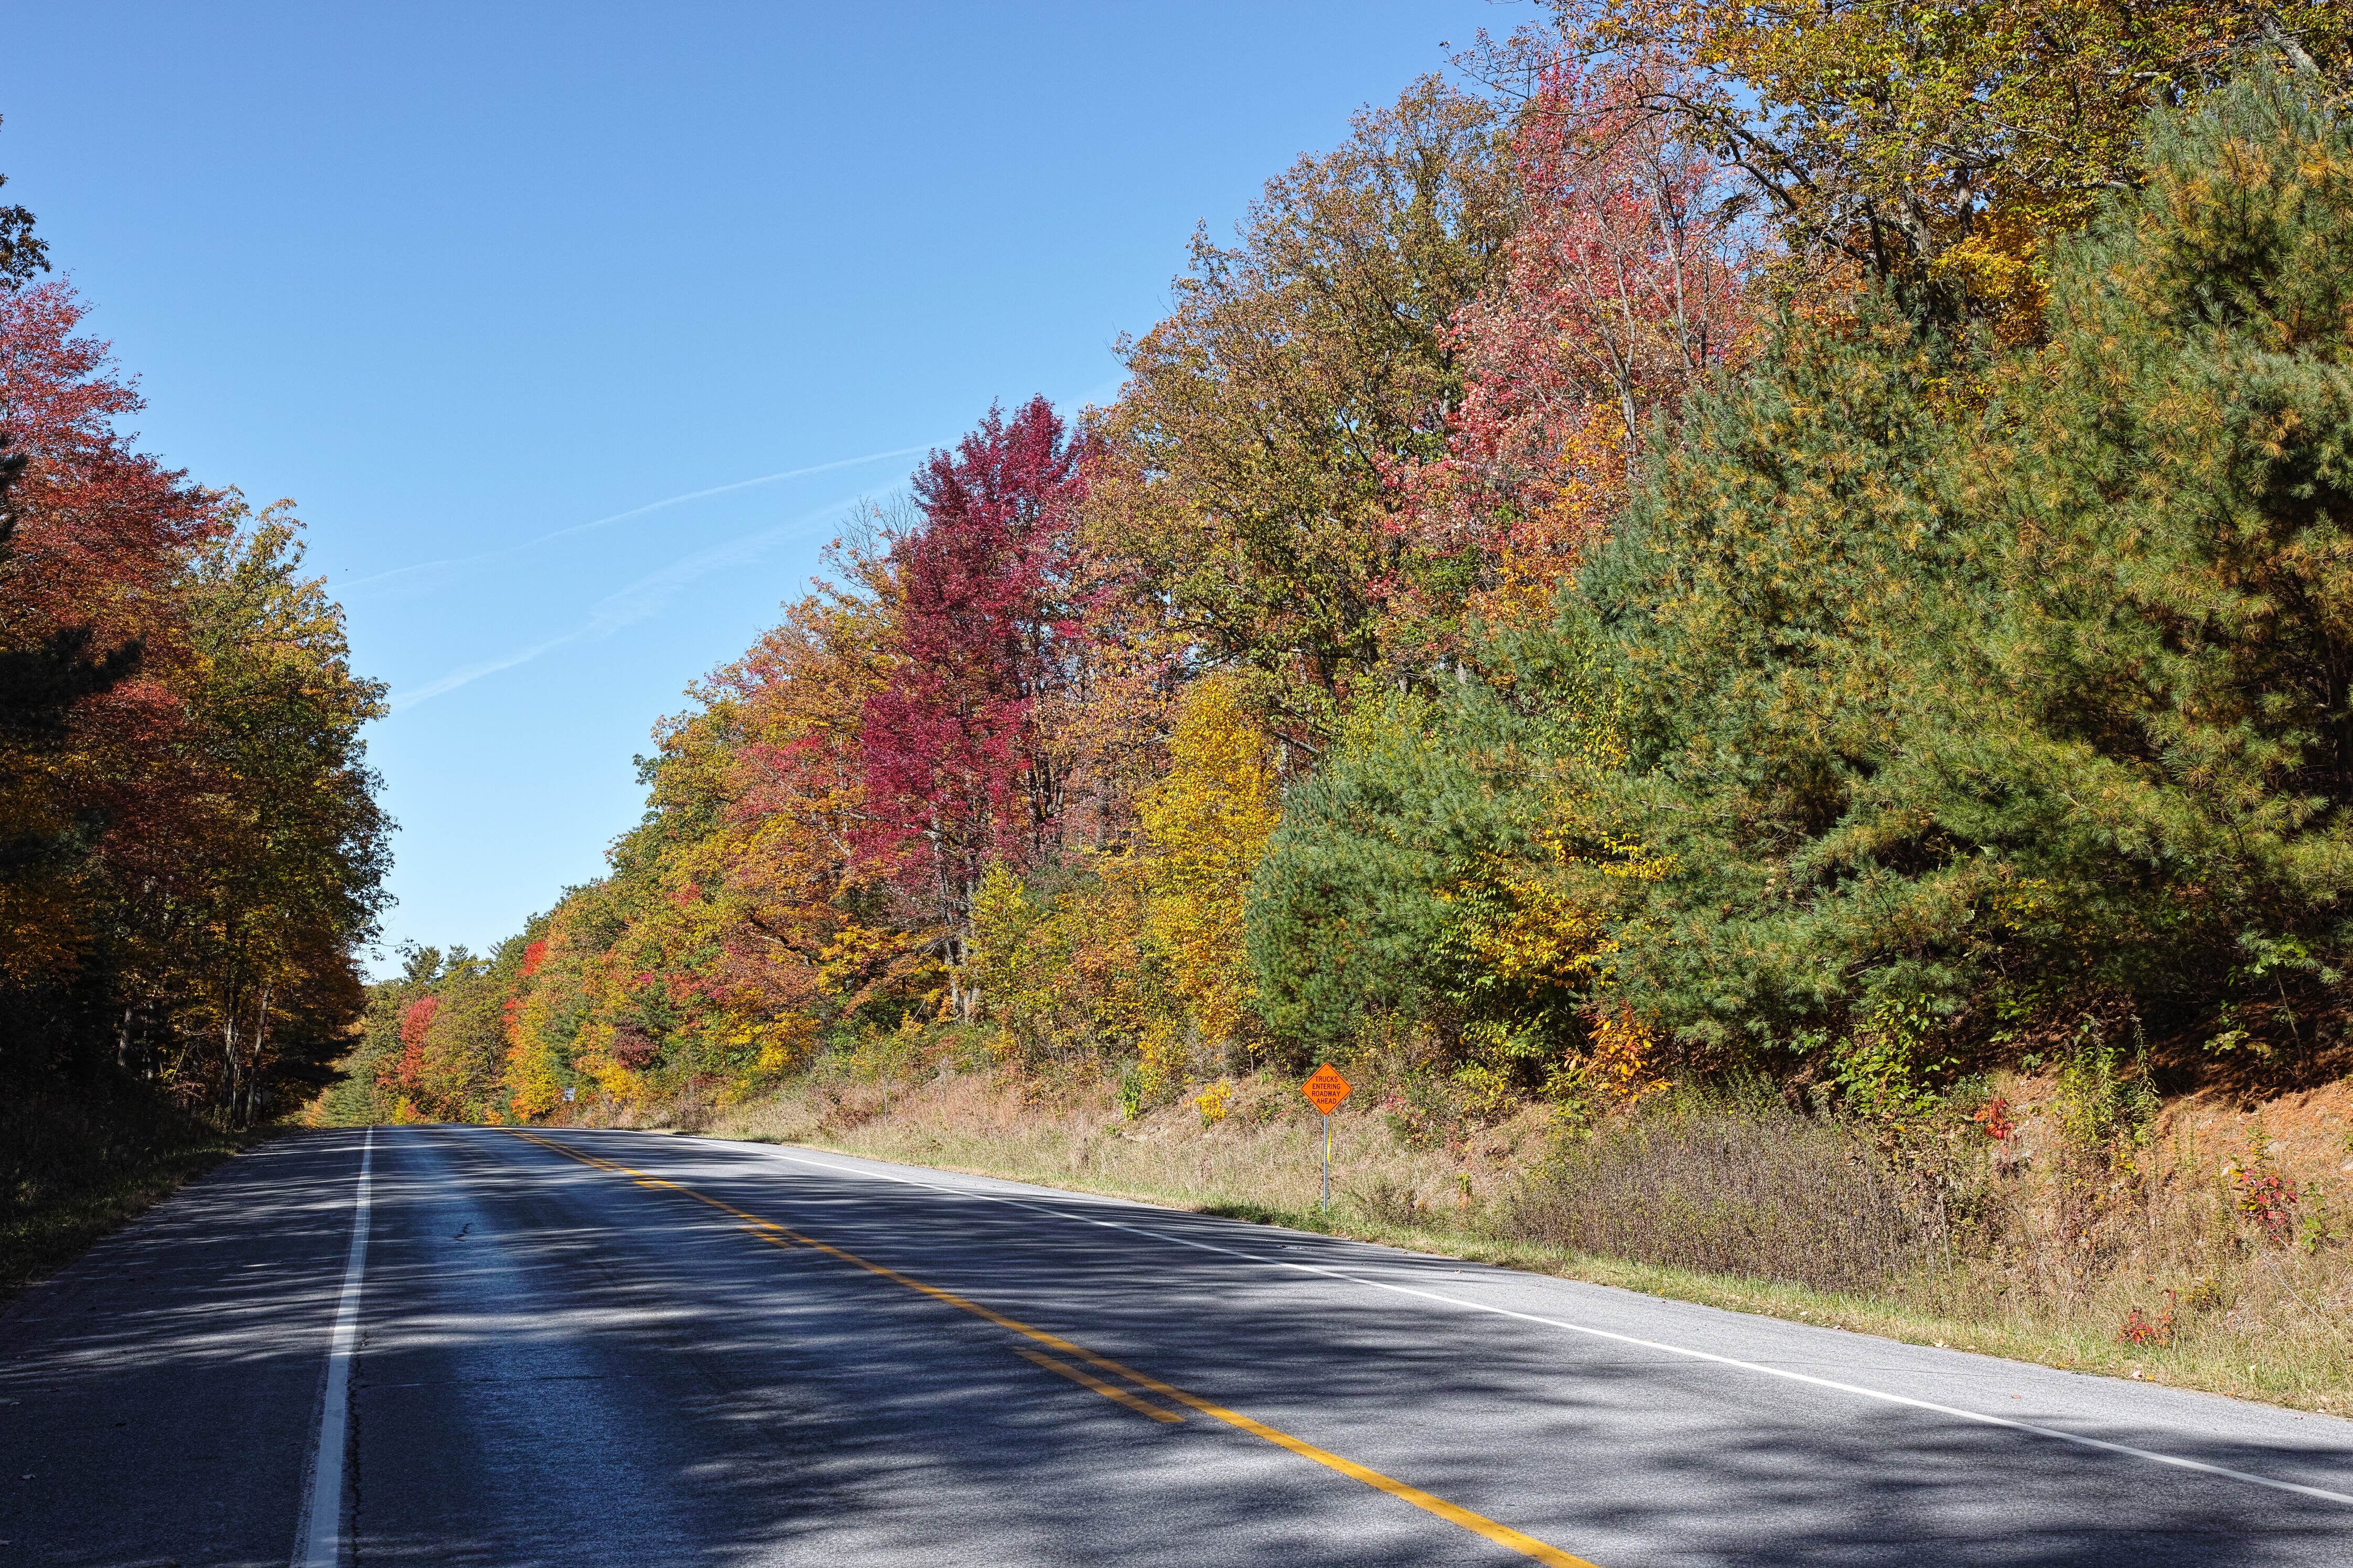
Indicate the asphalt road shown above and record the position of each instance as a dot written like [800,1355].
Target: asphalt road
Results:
[631,1349]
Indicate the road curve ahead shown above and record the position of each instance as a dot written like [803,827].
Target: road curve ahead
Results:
[584,1347]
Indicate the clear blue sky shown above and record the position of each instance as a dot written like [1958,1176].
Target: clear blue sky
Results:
[486,287]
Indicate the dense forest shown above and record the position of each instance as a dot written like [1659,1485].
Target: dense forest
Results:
[191,851]
[1803,545]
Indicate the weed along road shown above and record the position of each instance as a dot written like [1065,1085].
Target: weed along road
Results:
[586,1347]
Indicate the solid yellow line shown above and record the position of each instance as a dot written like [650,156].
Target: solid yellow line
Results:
[1477,1524]
[1088,1379]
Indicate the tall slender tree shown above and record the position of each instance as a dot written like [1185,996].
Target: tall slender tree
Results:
[956,774]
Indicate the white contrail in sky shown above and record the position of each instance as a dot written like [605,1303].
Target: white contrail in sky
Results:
[627,605]
[624,516]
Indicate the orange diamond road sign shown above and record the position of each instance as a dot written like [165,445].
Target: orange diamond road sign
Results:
[1325,1089]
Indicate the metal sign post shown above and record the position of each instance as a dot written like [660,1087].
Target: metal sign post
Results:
[1325,1089]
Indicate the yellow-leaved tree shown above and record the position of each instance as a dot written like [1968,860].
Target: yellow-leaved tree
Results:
[1207,823]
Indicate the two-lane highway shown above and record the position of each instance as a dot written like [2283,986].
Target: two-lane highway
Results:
[623,1348]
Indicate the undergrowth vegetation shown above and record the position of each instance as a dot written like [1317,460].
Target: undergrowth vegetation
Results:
[79,1158]
[1769,1195]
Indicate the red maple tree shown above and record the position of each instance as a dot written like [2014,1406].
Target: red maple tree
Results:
[415,1020]
[955,773]
[99,527]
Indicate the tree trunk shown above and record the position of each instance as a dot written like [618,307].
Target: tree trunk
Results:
[260,1039]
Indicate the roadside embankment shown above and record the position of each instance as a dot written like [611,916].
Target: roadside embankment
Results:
[2209,1249]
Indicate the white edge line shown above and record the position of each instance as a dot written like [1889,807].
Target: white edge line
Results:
[322,1536]
[1979,1416]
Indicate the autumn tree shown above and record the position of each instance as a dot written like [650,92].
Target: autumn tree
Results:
[740,918]
[1945,144]
[23,253]
[1246,459]
[1207,823]
[1442,874]
[94,534]
[956,775]
[281,877]
[736,919]
[1621,292]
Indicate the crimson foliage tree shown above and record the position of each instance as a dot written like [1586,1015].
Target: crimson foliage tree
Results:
[955,773]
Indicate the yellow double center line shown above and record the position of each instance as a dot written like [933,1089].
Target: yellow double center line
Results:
[782,1236]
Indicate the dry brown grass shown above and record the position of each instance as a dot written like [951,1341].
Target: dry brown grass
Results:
[2152,1262]
[1265,1153]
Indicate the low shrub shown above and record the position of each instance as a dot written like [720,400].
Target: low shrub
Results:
[1391,1203]
[1770,1195]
